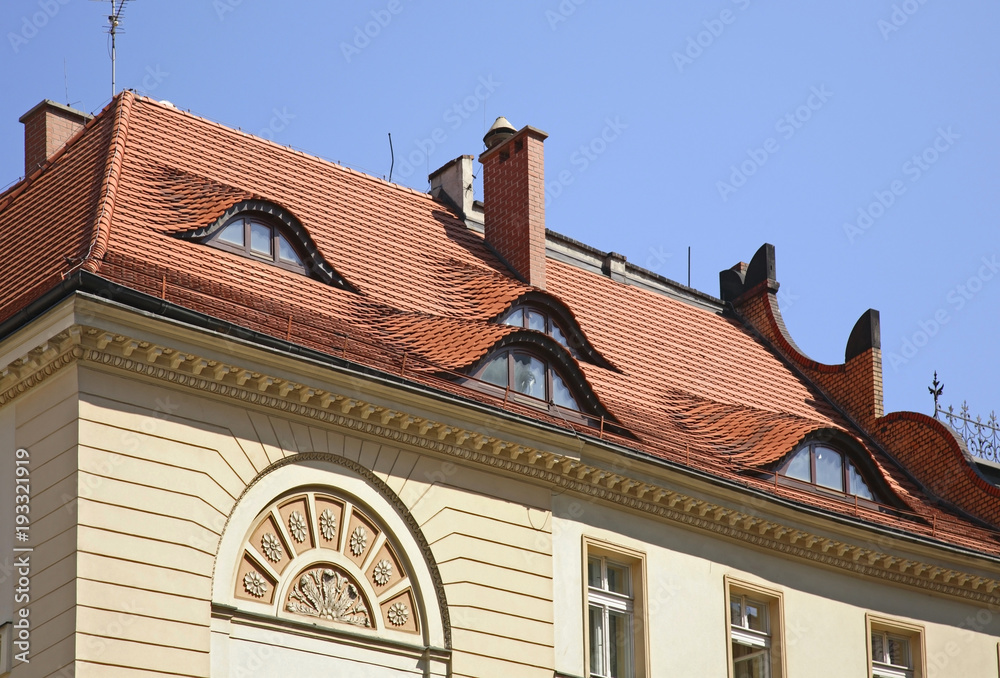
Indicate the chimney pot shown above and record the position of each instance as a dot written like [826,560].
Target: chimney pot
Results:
[47,128]
[500,132]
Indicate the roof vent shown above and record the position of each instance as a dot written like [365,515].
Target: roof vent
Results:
[500,132]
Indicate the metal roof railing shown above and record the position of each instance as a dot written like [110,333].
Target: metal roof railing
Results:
[981,437]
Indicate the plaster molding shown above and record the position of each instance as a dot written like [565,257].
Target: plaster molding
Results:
[95,346]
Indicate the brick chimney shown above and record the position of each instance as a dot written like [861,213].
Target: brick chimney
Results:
[47,128]
[514,198]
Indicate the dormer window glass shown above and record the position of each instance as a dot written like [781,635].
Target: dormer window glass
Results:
[529,375]
[825,467]
[538,320]
[254,236]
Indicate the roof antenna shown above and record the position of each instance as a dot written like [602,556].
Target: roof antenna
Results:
[393,156]
[114,21]
[66,83]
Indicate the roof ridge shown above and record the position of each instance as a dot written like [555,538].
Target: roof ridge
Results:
[109,186]
[309,156]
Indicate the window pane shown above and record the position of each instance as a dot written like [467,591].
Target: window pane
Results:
[496,371]
[561,395]
[899,651]
[829,468]
[515,318]
[756,615]
[260,239]
[750,663]
[558,335]
[618,578]
[529,376]
[536,321]
[858,484]
[597,662]
[594,573]
[620,644]
[799,466]
[233,233]
[736,611]
[878,647]
[286,253]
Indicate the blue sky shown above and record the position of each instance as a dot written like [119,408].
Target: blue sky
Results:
[860,138]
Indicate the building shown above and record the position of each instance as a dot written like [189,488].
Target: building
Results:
[269,416]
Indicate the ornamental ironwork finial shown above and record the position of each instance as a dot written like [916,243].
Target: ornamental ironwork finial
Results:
[936,389]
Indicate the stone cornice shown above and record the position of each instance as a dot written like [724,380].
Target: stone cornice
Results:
[95,346]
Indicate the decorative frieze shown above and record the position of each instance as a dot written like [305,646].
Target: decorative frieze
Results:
[359,540]
[120,352]
[297,526]
[330,581]
[382,573]
[254,584]
[328,594]
[328,525]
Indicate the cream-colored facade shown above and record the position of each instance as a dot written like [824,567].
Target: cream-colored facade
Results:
[161,456]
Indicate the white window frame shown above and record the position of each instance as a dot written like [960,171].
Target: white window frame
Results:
[770,642]
[607,601]
[630,604]
[882,667]
[879,667]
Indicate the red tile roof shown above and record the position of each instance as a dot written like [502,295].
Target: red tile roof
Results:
[691,386]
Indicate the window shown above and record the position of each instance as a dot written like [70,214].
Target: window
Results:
[615,641]
[896,650]
[538,319]
[610,615]
[262,230]
[527,374]
[754,616]
[255,236]
[751,635]
[825,467]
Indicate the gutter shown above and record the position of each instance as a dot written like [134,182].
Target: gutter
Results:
[92,285]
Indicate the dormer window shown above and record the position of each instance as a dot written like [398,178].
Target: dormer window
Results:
[261,230]
[527,374]
[534,318]
[254,236]
[543,313]
[826,468]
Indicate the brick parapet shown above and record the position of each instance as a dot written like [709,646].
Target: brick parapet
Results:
[924,446]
